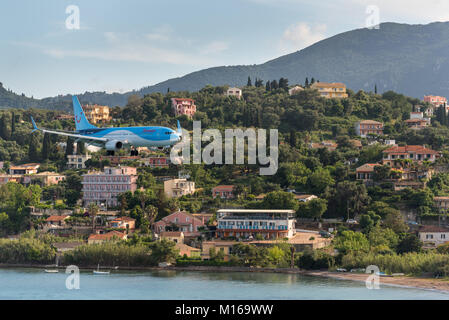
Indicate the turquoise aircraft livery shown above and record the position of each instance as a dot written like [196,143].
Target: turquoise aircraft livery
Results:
[113,139]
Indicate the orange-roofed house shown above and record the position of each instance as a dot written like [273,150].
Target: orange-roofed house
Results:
[416,124]
[330,90]
[366,172]
[435,100]
[224,192]
[123,223]
[414,153]
[329,145]
[110,236]
[29,168]
[182,220]
[183,106]
[175,236]
[56,220]
[365,127]
[185,250]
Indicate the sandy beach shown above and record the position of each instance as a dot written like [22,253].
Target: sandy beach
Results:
[403,281]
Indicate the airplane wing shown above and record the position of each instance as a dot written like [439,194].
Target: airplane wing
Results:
[88,139]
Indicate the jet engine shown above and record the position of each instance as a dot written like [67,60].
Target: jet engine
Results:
[114,145]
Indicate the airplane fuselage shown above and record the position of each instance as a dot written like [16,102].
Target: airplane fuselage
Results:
[134,136]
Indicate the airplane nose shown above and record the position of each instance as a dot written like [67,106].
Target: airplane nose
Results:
[176,137]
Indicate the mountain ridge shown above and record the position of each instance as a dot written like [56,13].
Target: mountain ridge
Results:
[410,59]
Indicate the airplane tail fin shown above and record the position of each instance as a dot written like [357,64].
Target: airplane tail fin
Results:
[179,131]
[81,122]
[35,128]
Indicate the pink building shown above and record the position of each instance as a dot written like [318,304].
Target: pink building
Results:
[157,162]
[103,188]
[224,192]
[435,100]
[183,106]
[181,220]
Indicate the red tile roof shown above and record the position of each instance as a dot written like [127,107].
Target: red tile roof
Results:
[184,99]
[171,233]
[370,122]
[56,218]
[107,236]
[433,229]
[410,149]
[124,219]
[224,187]
[367,167]
[329,85]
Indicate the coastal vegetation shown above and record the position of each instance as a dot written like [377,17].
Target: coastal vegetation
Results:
[303,118]
[122,254]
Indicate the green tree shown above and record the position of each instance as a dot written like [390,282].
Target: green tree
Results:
[69,148]
[33,152]
[351,242]
[381,173]
[80,148]
[46,146]
[280,199]
[73,187]
[314,208]
[394,221]
[409,243]
[319,180]
[164,251]
[379,236]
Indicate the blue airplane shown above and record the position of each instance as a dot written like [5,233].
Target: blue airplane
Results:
[114,139]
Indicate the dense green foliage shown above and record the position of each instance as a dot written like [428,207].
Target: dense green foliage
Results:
[26,250]
[122,254]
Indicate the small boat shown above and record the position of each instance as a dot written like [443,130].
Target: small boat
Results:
[51,270]
[101,272]
[383,274]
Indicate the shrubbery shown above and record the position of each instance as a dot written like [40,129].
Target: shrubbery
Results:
[26,250]
[409,263]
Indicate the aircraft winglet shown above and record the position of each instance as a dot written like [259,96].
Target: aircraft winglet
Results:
[179,131]
[34,125]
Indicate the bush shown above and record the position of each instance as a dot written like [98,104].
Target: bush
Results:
[26,250]
[111,254]
[315,260]
[410,263]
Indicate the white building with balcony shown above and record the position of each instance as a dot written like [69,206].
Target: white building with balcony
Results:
[246,223]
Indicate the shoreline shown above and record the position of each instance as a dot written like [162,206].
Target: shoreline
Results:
[411,282]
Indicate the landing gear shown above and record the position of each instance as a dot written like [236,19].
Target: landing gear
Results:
[110,152]
[134,152]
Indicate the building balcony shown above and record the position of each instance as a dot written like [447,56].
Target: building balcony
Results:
[252,228]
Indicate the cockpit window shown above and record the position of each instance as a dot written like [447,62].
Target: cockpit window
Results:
[167,132]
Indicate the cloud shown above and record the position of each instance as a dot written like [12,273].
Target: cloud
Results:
[161,33]
[214,47]
[301,35]
[142,48]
